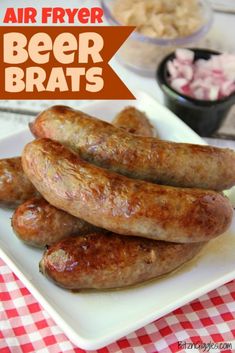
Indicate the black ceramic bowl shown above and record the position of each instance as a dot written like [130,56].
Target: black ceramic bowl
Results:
[203,116]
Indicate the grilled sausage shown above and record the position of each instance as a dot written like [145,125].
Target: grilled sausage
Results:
[15,187]
[38,223]
[134,121]
[112,261]
[13,179]
[122,205]
[146,158]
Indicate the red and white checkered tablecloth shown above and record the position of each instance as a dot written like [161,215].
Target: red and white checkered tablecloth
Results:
[26,327]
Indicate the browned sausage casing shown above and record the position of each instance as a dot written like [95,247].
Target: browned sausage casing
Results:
[112,261]
[134,121]
[15,187]
[146,158]
[122,205]
[38,223]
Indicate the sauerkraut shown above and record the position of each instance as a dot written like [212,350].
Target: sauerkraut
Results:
[159,18]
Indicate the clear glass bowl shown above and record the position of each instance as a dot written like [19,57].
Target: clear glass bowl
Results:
[142,54]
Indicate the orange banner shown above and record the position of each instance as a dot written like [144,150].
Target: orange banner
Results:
[61,62]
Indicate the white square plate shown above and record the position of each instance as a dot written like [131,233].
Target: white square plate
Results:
[92,320]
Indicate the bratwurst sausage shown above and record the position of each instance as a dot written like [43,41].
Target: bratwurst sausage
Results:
[112,261]
[122,205]
[37,223]
[15,187]
[12,177]
[139,157]
[134,121]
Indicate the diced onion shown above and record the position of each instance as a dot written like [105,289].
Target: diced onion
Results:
[202,79]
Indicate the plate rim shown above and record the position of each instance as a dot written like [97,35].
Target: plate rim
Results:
[97,343]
